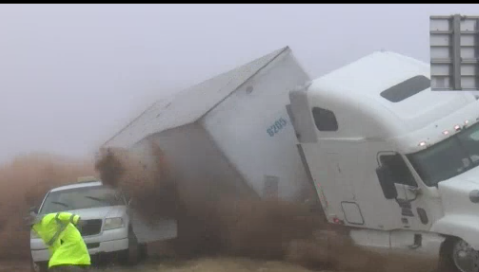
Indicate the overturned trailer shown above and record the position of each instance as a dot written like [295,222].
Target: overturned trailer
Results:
[232,132]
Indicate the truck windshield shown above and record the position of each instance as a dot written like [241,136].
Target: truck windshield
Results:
[448,158]
[81,198]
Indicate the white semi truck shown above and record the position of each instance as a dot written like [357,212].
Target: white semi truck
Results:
[392,159]
[387,156]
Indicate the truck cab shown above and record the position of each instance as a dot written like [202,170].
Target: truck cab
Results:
[393,160]
[109,226]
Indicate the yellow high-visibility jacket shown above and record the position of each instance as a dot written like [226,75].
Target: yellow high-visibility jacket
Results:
[64,241]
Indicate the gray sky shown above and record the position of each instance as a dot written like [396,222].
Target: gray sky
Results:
[72,75]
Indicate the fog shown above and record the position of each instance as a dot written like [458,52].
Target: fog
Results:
[73,75]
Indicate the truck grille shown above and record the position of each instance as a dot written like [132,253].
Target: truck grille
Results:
[91,227]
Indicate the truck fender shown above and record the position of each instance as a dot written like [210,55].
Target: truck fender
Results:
[465,227]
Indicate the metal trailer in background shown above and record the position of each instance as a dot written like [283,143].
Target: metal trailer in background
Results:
[454,48]
[233,130]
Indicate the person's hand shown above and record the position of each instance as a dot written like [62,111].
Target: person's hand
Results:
[80,223]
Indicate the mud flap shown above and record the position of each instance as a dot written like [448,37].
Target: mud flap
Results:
[155,231]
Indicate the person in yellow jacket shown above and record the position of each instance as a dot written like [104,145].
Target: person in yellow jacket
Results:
[68,251]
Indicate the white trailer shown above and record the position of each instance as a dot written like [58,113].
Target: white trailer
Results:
[231,131]
[388,157]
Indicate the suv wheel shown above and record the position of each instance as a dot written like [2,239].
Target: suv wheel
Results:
[38,267]
[132,255]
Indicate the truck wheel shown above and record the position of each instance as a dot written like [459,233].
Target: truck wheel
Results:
[133,248]
[458,256]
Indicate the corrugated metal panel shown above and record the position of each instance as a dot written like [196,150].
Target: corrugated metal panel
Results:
[189,105]
[454,46]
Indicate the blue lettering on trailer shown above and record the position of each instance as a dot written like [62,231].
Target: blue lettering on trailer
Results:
[276,127]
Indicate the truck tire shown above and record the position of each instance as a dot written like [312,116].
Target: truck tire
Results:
[457,256]
[132,255]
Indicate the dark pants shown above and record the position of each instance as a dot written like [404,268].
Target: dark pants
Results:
[69,268]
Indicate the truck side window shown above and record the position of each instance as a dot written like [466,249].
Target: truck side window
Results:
[325,120]
[399,169]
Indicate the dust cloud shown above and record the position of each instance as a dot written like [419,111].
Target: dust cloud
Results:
[222,225]
[225,225]
[24,182]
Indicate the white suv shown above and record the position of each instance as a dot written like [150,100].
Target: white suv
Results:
[108,225]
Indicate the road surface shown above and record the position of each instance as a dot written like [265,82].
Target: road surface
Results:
[199,265]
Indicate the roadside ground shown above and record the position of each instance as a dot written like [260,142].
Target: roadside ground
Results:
[220,264]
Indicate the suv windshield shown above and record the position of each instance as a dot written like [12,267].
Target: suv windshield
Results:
[81,198]
[448,158]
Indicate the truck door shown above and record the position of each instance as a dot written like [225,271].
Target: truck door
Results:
[412,213]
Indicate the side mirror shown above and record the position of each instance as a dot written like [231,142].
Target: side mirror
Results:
[34,210]
[387,182]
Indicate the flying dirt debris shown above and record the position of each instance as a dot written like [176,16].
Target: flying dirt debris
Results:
[27,179]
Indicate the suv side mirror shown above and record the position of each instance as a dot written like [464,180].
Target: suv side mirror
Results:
[387,182]
[33,209]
